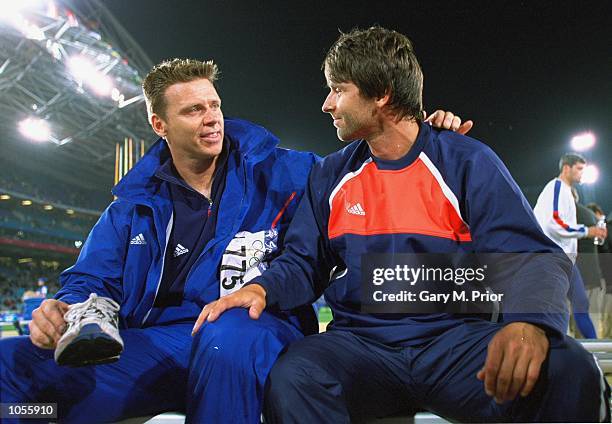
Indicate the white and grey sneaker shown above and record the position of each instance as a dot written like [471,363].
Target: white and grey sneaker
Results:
[92,336]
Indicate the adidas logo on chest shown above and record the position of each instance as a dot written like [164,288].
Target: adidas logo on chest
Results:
[356,209]
[139,239]
[180,250]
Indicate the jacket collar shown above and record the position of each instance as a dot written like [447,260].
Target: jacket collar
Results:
[252,143]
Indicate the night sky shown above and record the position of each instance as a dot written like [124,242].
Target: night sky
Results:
[531,74]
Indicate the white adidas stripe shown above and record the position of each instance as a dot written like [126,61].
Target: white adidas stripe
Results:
[448,193]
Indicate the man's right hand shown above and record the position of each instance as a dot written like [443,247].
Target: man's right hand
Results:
[48,325]
[252,297]
[594,231]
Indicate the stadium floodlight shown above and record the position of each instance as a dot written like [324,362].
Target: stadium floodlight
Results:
[85,72]
[12,9]
[12,12]
[590,174]
[36,129]
[5,197]
[37,40]
[582,142]
[48,207]
[26,202]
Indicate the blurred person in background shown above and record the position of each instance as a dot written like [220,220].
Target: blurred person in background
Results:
[42,290]
[588,264]
[555,211]
[605,263]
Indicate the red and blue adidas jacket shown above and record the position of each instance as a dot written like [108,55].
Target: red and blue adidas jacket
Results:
[449,194]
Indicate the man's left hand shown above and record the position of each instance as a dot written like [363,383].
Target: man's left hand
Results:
[514,358]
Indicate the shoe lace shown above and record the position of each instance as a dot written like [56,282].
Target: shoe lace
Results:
[94,307]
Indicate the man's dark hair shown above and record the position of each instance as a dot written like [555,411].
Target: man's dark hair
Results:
[570,159]
[379,61]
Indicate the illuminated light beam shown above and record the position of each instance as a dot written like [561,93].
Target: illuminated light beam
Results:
[85,72]
[36,129]
[582,142]
[28,29]
[590,174]
[12,9]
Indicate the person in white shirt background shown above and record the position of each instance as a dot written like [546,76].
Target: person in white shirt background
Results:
[555,210]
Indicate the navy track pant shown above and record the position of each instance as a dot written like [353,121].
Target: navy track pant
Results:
[339,377]
[217,376]
[580,305]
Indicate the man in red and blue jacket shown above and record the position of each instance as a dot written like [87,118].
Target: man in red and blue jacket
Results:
[402,190]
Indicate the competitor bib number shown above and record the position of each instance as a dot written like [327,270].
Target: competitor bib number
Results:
[244,259]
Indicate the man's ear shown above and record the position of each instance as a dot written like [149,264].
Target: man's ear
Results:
[159,125]
[384,100]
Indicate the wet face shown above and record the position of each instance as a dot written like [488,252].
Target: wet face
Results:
[193,122]
[354,115]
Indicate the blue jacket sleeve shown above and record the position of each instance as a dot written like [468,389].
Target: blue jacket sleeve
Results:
[99,267]
[533,273]
[298,276]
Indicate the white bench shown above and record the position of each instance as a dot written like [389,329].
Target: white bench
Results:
[176,418]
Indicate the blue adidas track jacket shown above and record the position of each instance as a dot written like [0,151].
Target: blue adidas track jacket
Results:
[124,253]
[449,194]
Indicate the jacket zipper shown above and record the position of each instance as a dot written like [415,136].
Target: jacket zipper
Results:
[161,275]
[215,240]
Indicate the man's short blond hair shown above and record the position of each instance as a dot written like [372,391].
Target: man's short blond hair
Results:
[170,72]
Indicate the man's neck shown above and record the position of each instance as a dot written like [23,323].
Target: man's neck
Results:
[394,140]
[197,173]
[565,179]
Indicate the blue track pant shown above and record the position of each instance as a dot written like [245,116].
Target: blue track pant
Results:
[217,376]
[580,305]
[338,377]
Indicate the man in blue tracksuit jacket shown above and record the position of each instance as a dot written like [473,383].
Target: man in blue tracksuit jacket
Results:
[406,192]
[163,249]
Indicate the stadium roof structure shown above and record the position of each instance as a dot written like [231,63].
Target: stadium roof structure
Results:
[70,78]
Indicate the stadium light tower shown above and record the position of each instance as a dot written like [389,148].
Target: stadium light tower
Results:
[583,142]
[590,174]
[71,64]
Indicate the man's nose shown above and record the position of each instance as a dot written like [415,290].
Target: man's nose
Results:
[329,103]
